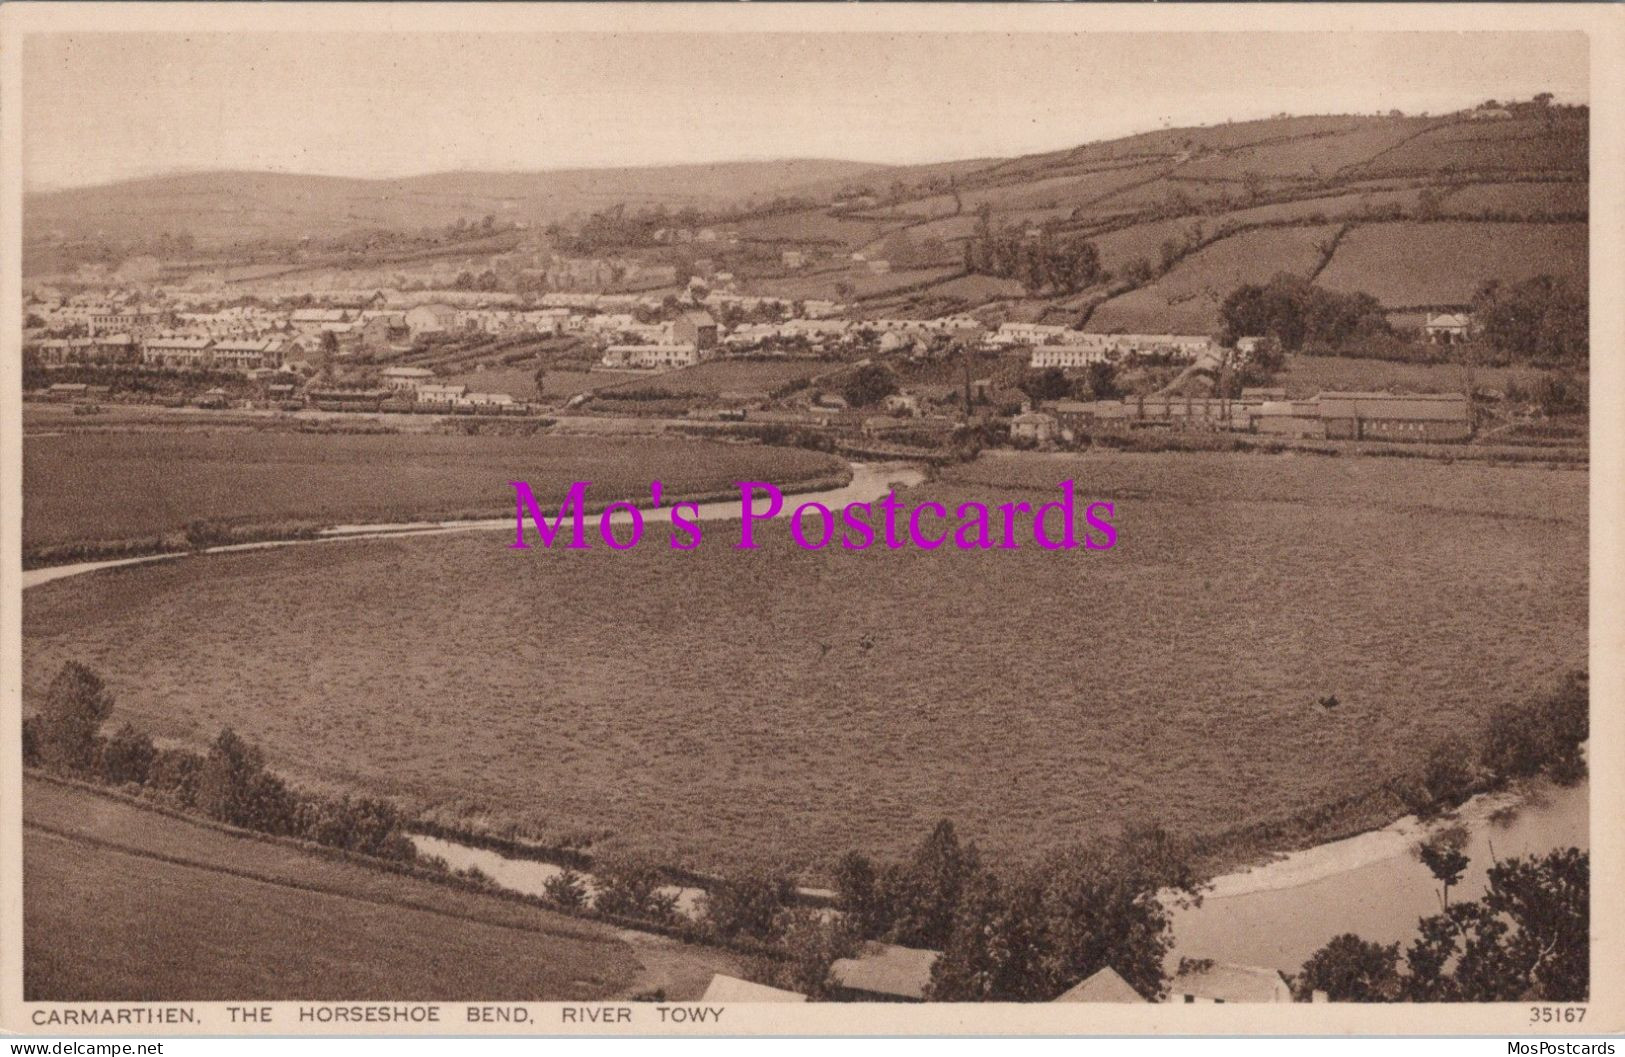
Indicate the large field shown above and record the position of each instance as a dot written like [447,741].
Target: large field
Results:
[1407,264]
[129,486]
[720,706]
[248,919]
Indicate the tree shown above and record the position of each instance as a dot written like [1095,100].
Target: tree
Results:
[1443,857]
[234,786]
[330,342]
[926,891]
[858,894]
[631,887]
[750,904]
[128,756]
[540,377]
[868,385]
[1099,382]
[76,704]
[1048,384]
[811,944]
[567,889]
[1544,319]
[1349,969]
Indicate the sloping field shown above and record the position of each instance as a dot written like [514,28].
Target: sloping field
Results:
[719,705]
[813,226]
[1311,156]
[1187,299]
[1533,200]
[100,486]
[123,904]
[1486,146]
[861,282]
[1406,264]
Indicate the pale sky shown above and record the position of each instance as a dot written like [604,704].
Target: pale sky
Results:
[103,107]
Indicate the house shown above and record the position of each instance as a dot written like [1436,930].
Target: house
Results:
[793,258]
[884,972]
[247,355]
[649,357]
[1103,986]
[1208,981]
[1386,416]
[430,319]
[406,377]
[907,404]
[695,328]
[1069,356]
[441,395]
[312,321]
[1035,426]
[879,267]
[493,400]
[176,352]
[1448,328]
[732,989]
[383,331]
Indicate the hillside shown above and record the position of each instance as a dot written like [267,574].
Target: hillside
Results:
[222,207]
[1418,211]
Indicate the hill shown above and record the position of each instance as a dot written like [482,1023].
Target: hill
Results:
[224,207]
[1417,210]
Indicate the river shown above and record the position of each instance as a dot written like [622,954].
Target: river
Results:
[1278,914]
[870,481]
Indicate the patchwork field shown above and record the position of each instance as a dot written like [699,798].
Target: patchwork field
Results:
[1407,264]
[1187,299]
[123,486]
[1305,376]
[721,706]
[248,919]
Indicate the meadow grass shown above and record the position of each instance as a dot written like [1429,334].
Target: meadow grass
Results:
[112,488]
[244,919]
[718,707]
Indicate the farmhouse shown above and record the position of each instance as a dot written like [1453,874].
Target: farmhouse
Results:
[1033,426]
[884,972]
[1449,328]
[382,331]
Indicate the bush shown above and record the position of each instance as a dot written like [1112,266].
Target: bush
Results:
[68,725]
[632,888]
[128,756]
[1448,777]
[175,772]
[1544,737]
[750,905]
[566,889]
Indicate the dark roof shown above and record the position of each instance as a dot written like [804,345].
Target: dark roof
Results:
[1429,407]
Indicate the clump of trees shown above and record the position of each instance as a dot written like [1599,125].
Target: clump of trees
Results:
[1300,315]
[868,385]
[1051,261]
[230,783]
[1027,933]
[1526,939]
[1544,319]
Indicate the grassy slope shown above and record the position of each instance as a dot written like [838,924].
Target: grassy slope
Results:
[91,486]
[1172,678]
[123,904]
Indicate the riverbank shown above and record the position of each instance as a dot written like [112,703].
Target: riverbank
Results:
[858,482]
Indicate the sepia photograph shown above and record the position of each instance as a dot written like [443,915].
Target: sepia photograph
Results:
[549,521]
